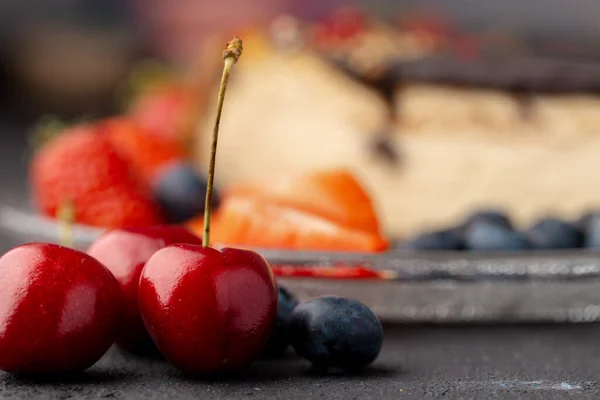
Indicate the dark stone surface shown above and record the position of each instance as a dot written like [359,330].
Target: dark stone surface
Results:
[436,362]
[538,362]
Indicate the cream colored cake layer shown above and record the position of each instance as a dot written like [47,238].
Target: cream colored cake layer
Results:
[461,148]
[498,115]
[294,109]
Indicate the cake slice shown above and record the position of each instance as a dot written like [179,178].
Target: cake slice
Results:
[519,134]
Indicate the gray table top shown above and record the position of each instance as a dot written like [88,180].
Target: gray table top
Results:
[540,362]
[449,362]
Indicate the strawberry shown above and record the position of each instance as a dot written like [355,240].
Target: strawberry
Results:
[81,166]
[162,111]
[321,210]
[332,194]
[341,25]
[249,221]
[134,142]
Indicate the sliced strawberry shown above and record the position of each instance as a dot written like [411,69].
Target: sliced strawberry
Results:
[251,221]
[146,152]
[334,195]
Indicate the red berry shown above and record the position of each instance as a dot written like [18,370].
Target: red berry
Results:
[342,25]
[59,309]
[163,110]
[143,150]
[83,167]
[124,252]
[208,311]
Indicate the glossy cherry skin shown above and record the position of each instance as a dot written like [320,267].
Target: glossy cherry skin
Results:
[208,311]
[124,252]
[59,309]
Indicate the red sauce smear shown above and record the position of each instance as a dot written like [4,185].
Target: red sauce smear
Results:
[337,271]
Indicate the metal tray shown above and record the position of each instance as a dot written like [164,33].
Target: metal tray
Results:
[439,287]
[456,287]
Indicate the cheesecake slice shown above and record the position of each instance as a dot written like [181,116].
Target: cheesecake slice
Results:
[520,134]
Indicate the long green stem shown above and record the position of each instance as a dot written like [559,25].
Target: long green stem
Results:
[231,54]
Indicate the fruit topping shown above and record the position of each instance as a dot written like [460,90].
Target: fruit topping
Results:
[145,152]
[494,217]
[252,221]
[335,195]
[592,233]
[60,310]
[336,334]
[448,239]
[82,166]
[180,191]
[341,25]
[493,230]
[162,111]
[325,210]
[486,235]
[583,222]
[552,233]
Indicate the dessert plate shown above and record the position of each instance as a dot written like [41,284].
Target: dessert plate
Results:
[440,287]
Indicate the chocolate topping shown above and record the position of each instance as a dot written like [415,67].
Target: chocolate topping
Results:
[524,74]
[519,74]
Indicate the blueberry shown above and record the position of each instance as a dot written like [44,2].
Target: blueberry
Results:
[592,234]
[491,216]
[583,222]
[448,239]
[180,192]
[552,233]
[486,235]
[280,340]
[336,334]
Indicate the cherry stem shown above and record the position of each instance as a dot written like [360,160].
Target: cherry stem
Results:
[232,53]
[66,217]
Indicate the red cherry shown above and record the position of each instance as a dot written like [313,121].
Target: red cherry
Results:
[124,252]
[208,311]
[59,309]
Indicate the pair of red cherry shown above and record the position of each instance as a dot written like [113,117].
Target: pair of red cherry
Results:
[206,310]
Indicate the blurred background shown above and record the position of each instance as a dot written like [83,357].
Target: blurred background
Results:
[389,124]
[69,56]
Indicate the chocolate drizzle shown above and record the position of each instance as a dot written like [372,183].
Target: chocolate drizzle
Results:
[524,74]
[385,149]
[522,77]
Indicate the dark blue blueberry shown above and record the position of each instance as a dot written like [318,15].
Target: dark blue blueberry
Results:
[583,222]
[180,191]
[485,235]
[448,239]
[592,234]
[335,334]
[491,216]
[552,233]
[280,339]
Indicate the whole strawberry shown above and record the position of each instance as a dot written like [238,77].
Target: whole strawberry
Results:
[80,165]
[342,25]
[145,151]
[163,110]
